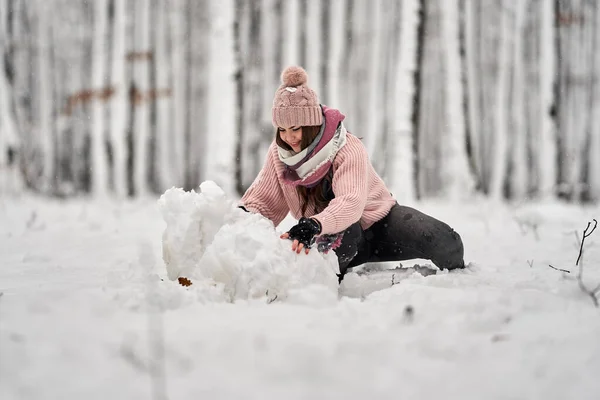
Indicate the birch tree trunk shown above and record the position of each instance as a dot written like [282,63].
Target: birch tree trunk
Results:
[373,113]
[402,176]
[314,43]
[337,57]
[590,65]
[78,107]
[164,153]
[580,79]
[519,167]
[9,142]
[198,82]
[400,173]
[540,71]
[45,128]
[220,154]
[456,175]
[387,95]
[270,76]
[357,89]
[179,40]
[498,177]
[472,38]
[492,36]
[546,144]
[119,109]
[346,91]
[573,25]
[431,103]
[98,141]
[22,92]
[594,144]
[249,91]
[141,82]
[291,39]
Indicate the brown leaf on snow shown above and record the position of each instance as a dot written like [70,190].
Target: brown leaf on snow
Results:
[184,281]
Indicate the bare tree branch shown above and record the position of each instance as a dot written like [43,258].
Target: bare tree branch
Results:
[585,234]
[592,293]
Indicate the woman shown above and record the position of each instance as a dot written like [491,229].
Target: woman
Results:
[321,173]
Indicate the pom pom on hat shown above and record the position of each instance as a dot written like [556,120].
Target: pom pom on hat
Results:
[294,76]
[295,104]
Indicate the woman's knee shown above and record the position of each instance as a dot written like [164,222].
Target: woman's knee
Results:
[450,251]
[435,238]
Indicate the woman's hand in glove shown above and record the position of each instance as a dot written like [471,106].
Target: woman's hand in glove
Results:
[303,234]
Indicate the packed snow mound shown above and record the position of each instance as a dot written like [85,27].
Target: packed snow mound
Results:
[208,239]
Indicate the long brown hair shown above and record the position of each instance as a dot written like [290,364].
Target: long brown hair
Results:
[314,195]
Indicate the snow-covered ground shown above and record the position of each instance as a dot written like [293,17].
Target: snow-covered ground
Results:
[87,311]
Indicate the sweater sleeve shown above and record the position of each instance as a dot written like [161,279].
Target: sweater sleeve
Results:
[349,183]
[265,196]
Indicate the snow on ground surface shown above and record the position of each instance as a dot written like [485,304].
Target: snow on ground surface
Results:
[87,311]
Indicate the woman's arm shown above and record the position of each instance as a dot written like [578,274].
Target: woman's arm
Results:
[350,185]
[265,196]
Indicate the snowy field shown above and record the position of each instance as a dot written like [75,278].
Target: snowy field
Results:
[87,311]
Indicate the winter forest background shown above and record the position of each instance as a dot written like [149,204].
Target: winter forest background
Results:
[452,98]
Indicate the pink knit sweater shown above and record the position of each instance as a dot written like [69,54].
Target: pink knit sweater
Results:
[360,194]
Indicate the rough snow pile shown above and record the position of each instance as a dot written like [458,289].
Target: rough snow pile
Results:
[210,240]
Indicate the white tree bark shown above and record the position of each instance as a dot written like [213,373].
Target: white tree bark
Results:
[401,177]
[501,116]
[9,141]
[594,145]
[269,74]
[291,40]
[99,161]
[517,107]
[141,80]
[473,83]
[219,159]
[198,85]
[356,88]
[179,40]
[45,129]
[252,140]
[314,43]
[336,34]
[457,178]
[374,114]
[578,97]
[119,107]
[432,101]
[547,67]
[162,152]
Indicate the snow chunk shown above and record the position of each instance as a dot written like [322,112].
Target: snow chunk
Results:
[209,239]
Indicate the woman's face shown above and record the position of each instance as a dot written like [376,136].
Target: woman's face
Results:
[292,136]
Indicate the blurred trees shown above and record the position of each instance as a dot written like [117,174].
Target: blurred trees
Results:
[451,97]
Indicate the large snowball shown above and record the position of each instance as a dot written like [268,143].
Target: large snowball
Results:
[209,239]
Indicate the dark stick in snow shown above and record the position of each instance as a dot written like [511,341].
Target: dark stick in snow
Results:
[558,269]
[593,293]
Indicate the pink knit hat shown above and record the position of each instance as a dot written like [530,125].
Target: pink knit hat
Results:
[295,104]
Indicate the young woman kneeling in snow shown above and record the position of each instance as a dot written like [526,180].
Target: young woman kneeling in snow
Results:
[321,173]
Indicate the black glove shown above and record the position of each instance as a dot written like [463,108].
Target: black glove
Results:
[305,231]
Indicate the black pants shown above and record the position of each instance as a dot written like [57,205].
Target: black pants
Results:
[403,234]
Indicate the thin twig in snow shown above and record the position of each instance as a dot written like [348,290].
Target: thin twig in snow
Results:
[558,269]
